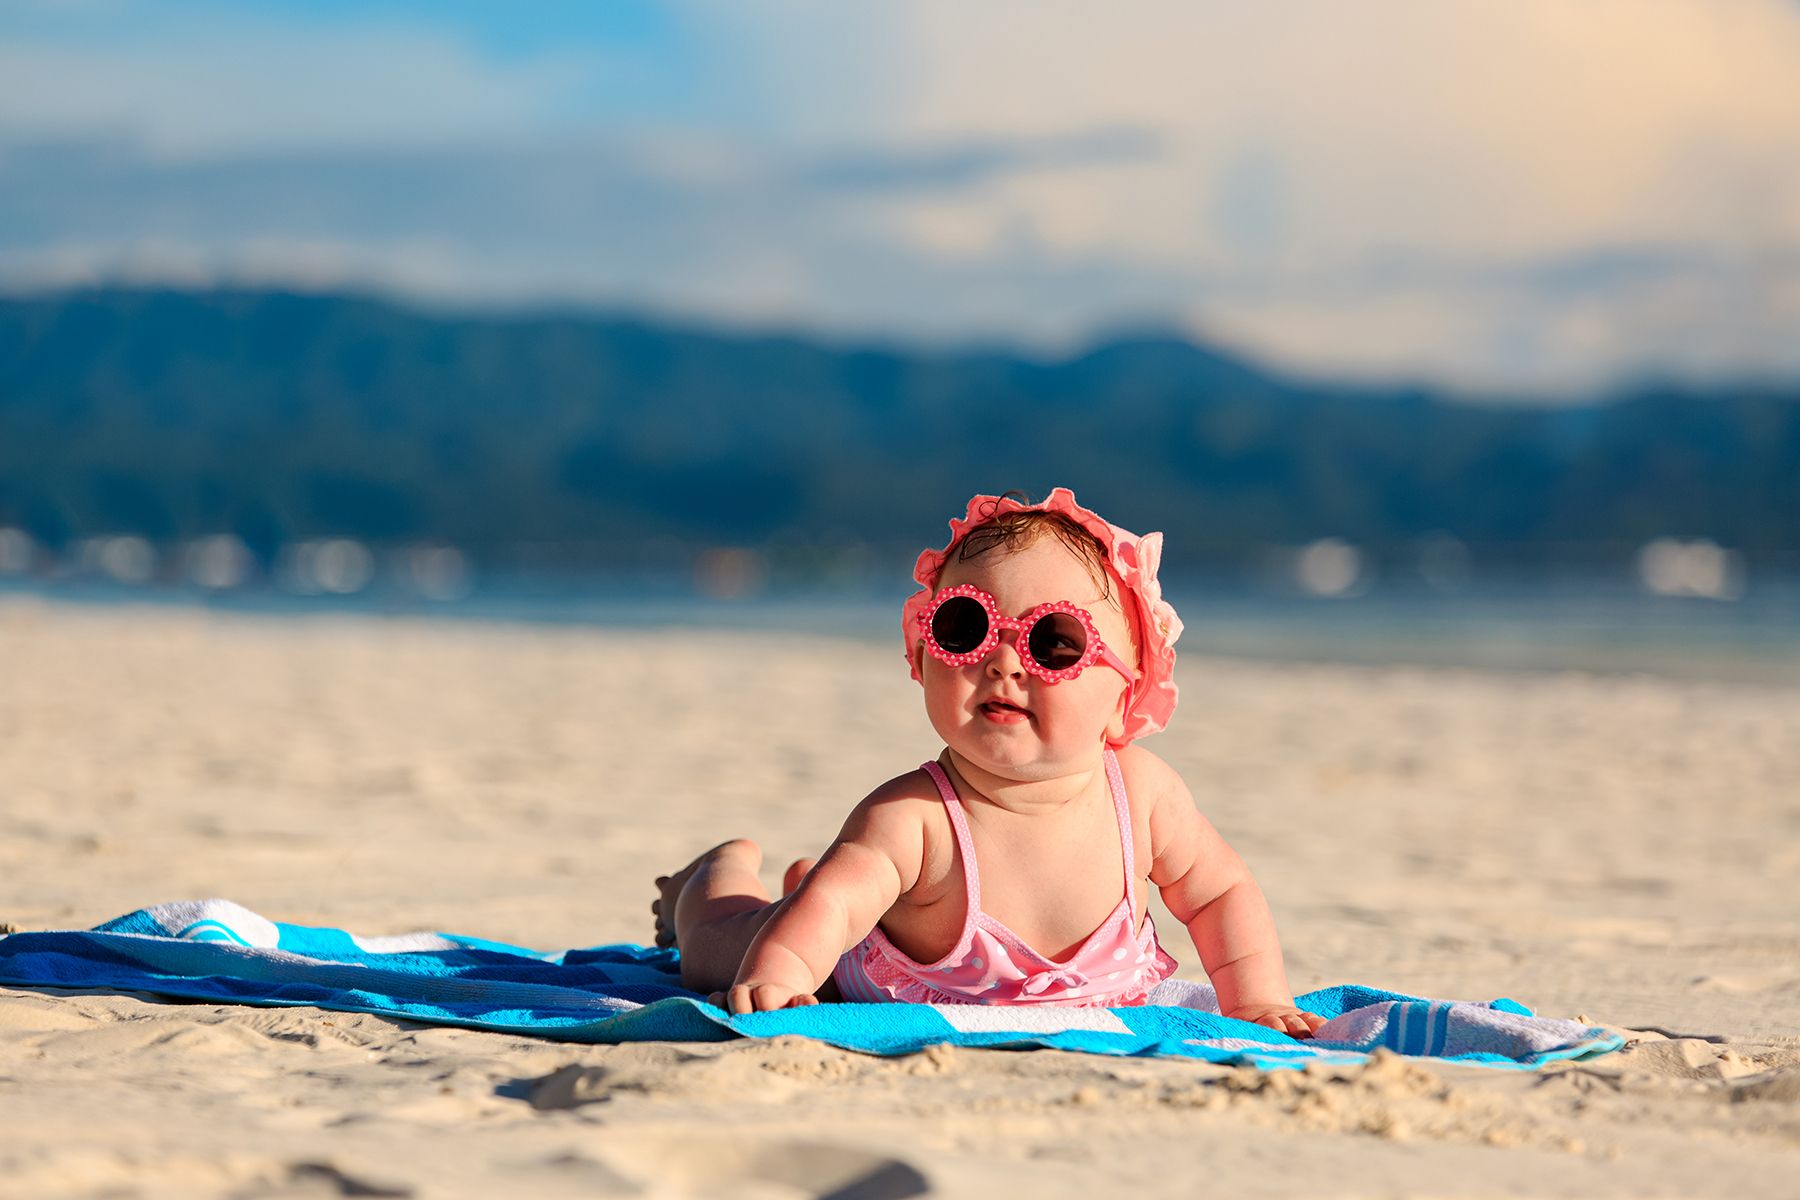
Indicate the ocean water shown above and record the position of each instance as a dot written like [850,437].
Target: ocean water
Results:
[1543,625]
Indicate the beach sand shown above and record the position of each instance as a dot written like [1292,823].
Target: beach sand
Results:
[1621,849]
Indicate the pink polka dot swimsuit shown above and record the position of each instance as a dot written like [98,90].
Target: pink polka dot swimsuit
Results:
[1116,965]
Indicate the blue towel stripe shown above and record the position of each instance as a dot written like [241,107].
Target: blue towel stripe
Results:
[609,994]
[1440,1030]
[1399,1028]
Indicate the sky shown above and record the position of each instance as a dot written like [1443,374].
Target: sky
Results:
[1530,196]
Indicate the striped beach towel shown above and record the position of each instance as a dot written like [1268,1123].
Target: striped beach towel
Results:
[219,951]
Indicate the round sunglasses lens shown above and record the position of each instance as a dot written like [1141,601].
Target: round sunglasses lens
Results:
[959,625]
[1057,641]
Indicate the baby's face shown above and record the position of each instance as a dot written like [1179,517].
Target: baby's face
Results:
[996,715]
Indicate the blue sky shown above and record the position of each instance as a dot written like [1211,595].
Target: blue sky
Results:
[1521,194]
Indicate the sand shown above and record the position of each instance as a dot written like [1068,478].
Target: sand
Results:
[1625,849]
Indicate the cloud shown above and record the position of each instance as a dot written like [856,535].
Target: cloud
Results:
[1518,192]
[1505,192]
[247,83]
[958,164]
[1516,125]
[1556,326]
[604,220]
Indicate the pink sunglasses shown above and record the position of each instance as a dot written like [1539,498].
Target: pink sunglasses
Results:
[1057,640]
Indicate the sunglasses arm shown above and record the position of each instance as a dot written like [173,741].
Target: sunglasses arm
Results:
[1118,664]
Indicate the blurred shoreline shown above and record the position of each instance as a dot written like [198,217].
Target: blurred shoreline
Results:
[1581,625]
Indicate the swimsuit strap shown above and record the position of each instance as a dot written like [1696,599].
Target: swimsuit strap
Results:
[965,845]
[1122,806]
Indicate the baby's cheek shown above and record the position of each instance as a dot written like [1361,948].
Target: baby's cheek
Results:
[1093,708]
[943,699]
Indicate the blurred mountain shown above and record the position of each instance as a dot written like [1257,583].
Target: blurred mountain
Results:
[279,416]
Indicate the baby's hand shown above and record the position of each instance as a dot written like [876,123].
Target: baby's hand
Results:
[761,997]
[1283,1018]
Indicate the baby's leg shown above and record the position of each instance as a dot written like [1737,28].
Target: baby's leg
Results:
[713,908]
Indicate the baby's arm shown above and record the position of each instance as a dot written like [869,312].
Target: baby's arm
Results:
[1209,889]
[876,858]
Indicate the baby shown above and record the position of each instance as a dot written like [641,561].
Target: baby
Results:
[1015,868]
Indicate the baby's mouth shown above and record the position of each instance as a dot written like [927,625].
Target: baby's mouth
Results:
[1001,711]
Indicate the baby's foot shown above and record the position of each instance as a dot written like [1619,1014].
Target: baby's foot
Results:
[668,889]
[712,909]
[669,886]
[726,857]
[797,870]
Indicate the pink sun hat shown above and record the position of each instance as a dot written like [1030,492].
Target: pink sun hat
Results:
[1132,559]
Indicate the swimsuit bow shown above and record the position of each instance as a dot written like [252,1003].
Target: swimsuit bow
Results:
[1060,976]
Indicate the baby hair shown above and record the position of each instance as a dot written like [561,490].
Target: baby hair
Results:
[1015,529]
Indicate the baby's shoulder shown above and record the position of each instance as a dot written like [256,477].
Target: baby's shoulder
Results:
[906,817]
[898,814]
[904,797]
[1148,779]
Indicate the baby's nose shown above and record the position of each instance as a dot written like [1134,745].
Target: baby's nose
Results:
[1003,659]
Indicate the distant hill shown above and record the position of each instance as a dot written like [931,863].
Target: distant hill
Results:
[279,417]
